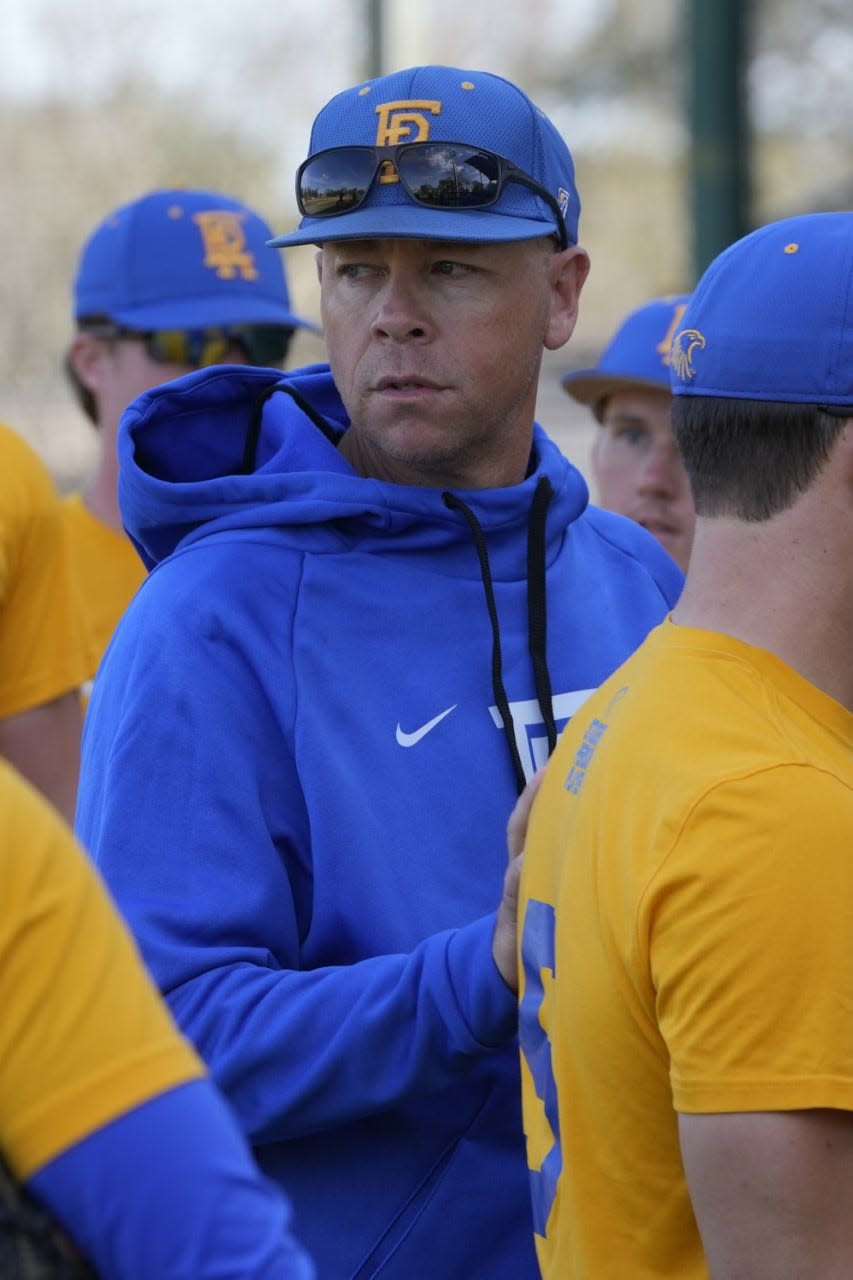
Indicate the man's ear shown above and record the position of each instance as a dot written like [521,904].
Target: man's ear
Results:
[568,271]
[86,359]
[845,446]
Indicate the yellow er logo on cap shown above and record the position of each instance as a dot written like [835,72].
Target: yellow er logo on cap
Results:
[225,244]
[664,347]
[402,122]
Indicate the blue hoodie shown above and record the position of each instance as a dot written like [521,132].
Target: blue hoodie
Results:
[300,756]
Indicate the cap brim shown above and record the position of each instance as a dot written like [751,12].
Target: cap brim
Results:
[413,222]
[589,386]
[206,313]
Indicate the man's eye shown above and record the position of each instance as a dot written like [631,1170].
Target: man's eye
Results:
[634,436]
[446,267]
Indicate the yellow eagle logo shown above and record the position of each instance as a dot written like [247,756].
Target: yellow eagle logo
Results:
[685,342]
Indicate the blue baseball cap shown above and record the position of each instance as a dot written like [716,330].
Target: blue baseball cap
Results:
[180,259]
[636,356]
[772,317]
[445,104]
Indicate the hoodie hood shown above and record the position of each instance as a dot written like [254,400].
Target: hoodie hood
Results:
[236,447]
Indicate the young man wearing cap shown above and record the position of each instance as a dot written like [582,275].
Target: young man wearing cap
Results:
[175,280]
[636,466]
[380,594]
[687,895]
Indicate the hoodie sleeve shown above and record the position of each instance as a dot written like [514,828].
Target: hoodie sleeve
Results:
[190,804]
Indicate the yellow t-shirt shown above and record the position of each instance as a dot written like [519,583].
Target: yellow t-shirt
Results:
[687,917]
[84,1036]
[42,647]
[108,572]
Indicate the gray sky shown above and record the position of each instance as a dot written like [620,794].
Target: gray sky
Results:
[307,49]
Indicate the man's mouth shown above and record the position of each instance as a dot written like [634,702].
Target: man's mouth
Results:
[406,382]
[658,525]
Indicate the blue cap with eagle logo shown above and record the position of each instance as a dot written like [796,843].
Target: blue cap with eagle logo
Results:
[636,356]
[177,259]
[772,317]
[445,104]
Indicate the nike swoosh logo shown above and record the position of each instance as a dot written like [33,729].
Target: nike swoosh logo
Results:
[410,739]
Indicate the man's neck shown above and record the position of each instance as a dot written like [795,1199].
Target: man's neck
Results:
[780,586]
[100,493]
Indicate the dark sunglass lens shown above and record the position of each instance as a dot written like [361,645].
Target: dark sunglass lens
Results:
[335,181]
[174,346]
[449,175]
[265,344]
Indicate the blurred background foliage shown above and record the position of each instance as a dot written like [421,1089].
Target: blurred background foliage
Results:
[99,103]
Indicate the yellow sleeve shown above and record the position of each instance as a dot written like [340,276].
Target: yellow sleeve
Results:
[751,953]
[84,1035]
[42,643]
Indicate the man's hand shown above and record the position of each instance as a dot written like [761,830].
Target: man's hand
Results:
[504,944]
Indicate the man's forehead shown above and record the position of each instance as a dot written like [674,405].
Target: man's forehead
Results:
[390,244]
[636,404]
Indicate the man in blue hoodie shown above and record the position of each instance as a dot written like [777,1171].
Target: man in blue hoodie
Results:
[378,592]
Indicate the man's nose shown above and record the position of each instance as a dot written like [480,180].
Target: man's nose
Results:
[401,311]
[663,471]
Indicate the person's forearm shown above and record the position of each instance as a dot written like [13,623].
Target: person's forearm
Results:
[43,744]
[296,1052]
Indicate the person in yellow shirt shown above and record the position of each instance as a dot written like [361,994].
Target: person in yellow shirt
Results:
[43,654]
[686,898]
[175,280]
[116,1150]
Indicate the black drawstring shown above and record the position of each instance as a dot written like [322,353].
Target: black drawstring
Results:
[536,618]
[537,606]
[253,430]
[501,700]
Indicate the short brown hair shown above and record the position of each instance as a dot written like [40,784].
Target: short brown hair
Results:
[750,458]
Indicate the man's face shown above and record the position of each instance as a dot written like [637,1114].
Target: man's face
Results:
[436,348]
[637,469]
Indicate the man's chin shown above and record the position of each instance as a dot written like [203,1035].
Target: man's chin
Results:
[677,544]
[417,440]
[408,451]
